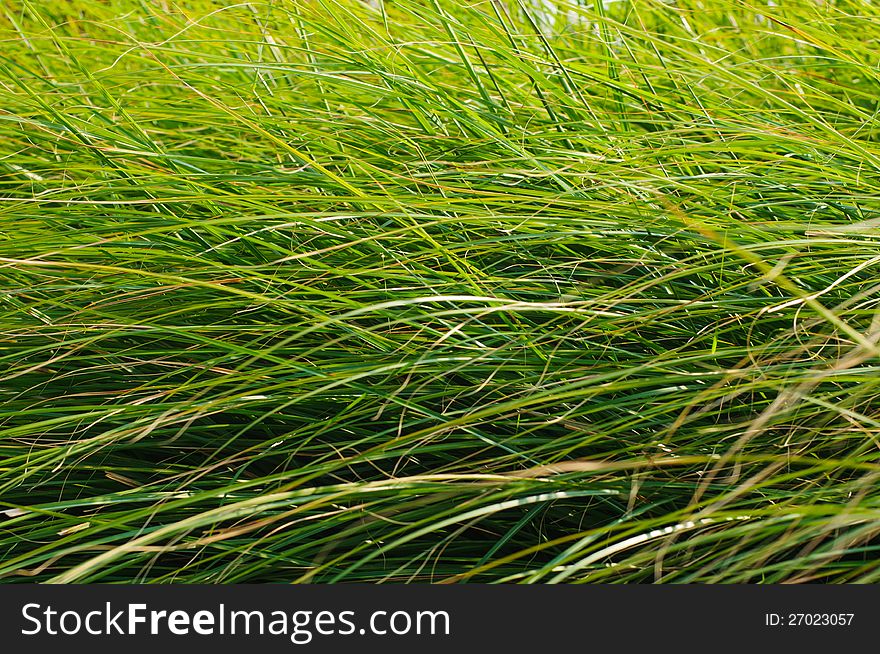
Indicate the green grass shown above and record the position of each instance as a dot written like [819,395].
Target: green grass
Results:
[437,290]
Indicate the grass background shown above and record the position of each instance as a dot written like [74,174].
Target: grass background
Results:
[439,291]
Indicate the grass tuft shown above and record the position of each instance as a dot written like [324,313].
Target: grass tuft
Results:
[498,291]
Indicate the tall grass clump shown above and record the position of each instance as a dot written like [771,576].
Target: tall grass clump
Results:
[439,290]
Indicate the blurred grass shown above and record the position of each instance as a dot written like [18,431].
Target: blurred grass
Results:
[439,291]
